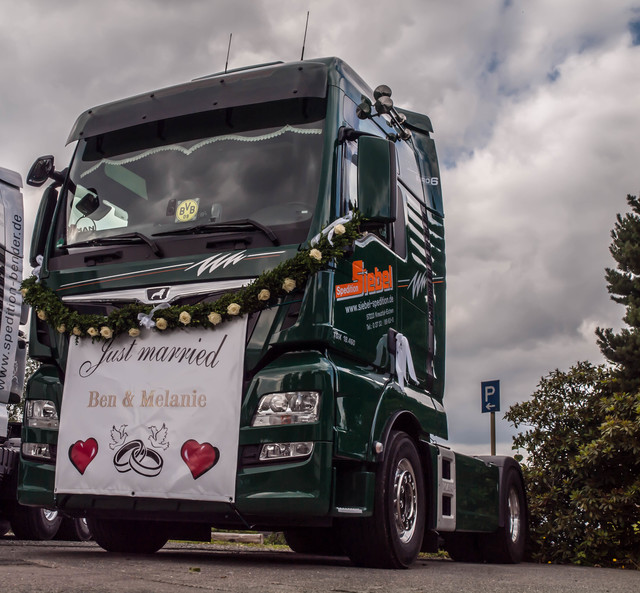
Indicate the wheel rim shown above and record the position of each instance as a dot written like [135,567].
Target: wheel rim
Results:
[405,500]
[50,515]
[514,515]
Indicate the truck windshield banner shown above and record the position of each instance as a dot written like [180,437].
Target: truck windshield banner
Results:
[153,416]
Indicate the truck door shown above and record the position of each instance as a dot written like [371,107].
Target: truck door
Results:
[365,305]
[415,281]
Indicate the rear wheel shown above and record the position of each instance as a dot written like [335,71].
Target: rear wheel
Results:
[392,537]
[34,523]
[128,537]
[507,545]
[320,541]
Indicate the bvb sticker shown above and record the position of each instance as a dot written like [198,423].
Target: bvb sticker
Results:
[187,210]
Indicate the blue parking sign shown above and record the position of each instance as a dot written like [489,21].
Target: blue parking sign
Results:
[490,396]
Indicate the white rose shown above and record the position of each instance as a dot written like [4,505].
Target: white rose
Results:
[233,309]
[288,285]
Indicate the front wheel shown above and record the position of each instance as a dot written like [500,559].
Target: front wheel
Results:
[128,537]
[392,537]
[34,523]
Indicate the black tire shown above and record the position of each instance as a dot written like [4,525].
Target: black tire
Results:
[507,545]
[74,530]
[318,541]
[392,537]
[34,523]
[128,537]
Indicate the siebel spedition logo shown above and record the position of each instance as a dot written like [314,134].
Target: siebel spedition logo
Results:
[365,282]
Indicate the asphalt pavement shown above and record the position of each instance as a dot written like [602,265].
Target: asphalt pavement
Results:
[69,567]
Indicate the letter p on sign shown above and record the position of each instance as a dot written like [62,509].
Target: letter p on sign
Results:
[490,396]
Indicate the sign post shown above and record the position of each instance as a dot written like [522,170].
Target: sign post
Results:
[490,402]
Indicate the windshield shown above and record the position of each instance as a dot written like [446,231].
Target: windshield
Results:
[259,163]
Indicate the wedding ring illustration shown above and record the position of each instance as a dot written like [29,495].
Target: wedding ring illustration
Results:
[135,456]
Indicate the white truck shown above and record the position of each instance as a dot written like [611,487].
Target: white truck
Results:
[33,523]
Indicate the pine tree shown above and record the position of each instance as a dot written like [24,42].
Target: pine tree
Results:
[623,348]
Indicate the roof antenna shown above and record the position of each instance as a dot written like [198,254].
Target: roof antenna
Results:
[304,41]
[228,50]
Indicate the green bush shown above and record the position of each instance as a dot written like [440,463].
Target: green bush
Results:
[581,468]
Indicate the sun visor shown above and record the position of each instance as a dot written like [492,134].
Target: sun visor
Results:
[258,85]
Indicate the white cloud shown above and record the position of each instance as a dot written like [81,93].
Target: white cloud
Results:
[528,225]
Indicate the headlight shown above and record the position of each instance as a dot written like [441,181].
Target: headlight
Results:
[36,450]
[289,407]
[41,413]
[273,451]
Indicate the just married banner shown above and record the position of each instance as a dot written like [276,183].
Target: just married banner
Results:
[153,416]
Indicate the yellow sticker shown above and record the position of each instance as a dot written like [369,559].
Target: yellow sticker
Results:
[187,210]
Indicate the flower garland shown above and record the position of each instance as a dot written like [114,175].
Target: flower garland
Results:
[263,292]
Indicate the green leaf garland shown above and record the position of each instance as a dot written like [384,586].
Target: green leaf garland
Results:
[263,292]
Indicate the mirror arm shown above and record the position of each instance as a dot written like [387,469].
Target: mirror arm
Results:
[346,133]
[59,176]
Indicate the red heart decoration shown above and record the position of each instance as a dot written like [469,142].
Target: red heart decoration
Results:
[200,458]
[81,453]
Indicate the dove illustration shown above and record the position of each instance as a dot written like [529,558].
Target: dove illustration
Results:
[158,437]
[118,436]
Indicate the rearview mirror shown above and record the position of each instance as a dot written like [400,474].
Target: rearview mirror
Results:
[376,179]
[88,204]
[42,170]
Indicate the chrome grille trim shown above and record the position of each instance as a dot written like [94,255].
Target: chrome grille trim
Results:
[177,292]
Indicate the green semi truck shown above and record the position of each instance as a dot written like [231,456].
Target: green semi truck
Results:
[238,302]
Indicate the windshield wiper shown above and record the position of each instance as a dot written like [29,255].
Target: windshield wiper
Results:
[133,237]
[221,227]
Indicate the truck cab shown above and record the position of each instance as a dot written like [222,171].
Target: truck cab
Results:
[276,234]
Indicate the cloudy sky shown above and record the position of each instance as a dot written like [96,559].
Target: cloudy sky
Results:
[536,109]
